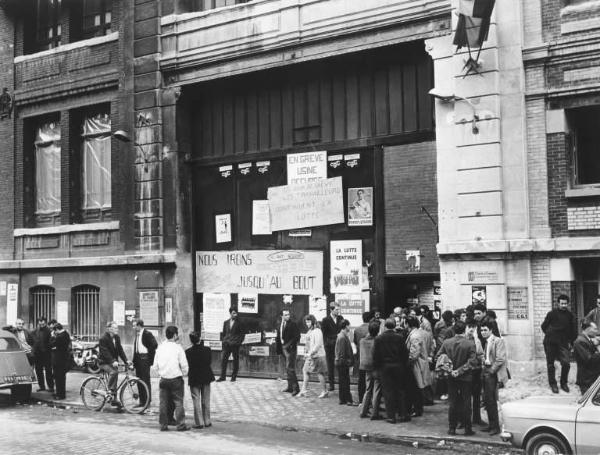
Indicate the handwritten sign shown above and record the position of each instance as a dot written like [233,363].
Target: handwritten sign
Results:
[215,311]
[316,203]
[346,266]
[261,218]
[306,167]
[259,351]
[260,271]
[149,307]
[352,306]
[252,338]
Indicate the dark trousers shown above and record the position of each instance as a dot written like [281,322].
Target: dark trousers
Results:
[490,397]
[171,397]
[290,369]
[415,394]
[362,384]
[234,350]
[561,353]
[392,383]
[60,378]
[476,393]
[113,376]
[142,371]
[43,364]
[330,356]
[344,383]
[459,396]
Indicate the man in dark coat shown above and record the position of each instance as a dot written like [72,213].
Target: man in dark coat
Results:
[288,336]
[359,333]
[390,363]
[559,330]
[42,355]
[110,350]
[344,359]
[200,375]
[462,354]
[587,355]
[144,348]
[61,347]
[331,326]
[232,337]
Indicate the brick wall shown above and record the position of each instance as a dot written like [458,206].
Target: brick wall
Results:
[537,169]
[558,175]
[409,184]
[542,298]
[568,288]
[551,19]
[7,140]
[582,218]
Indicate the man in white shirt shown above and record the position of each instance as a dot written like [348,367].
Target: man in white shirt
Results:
[144,348]
[171,364]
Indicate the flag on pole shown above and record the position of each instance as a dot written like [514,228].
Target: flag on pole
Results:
[473,22]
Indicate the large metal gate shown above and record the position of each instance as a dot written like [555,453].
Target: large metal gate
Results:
[85,312]
[43,303]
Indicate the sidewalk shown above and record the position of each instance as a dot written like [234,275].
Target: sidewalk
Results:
[260,401]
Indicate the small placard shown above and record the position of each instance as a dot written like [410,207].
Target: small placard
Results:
[259,351]
[62,312]
[252,338]
[119,312]
[44,280]
[518,303]
[214,345]
[168,309]
[149,307]
[212,336]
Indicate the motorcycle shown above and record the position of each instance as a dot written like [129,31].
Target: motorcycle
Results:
[85,355]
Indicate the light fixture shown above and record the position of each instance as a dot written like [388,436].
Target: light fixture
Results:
[452,98]
[123,136]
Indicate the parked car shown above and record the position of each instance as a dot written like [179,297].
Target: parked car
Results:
[15,371]
[552,425]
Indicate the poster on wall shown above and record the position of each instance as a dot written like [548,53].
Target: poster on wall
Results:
[12,299]
[215,312]
[297,272]
[306,167]
[223,228]
[518,303]
[346,266]
[261,218]
[119,312]
[248,303]
[2,287]
[315,203]
[352,306]
[479,294]
[62,312]
[149,307]
[360,206]
[317,306]
[413,260]
[168,309]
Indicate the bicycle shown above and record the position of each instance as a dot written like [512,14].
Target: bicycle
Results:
[95,393]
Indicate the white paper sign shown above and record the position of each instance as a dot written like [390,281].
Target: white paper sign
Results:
[261,218]
[216,311]
[44,280]
[62,312]
[168,309]
[317,306]
[259,351]
[316,203]
[295,272]
[2,287]
[210,336]
[214,345]
[119,312]
[149,307]
[352,306]
[346,266]
[248,303]
[251,338]
[306,167]
[223,228]
[12,299]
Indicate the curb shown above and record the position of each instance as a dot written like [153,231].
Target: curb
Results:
[418,441]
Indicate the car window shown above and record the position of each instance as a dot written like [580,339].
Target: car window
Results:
[596,399]
[9,344]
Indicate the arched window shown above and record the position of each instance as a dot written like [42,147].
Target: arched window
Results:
[42,302]
[85,312]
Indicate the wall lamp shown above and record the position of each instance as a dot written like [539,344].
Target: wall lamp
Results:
[123,136]
[452,98]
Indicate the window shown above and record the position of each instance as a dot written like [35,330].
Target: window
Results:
[85,313]
[47,168]
[47,21]
[96,173]
[585,144]
[203,5]
[97,16]
[42,303]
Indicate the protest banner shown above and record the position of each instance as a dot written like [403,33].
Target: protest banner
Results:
[346,266]
[306,167]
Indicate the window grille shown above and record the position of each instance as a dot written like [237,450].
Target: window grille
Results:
[85,313]
[42,303]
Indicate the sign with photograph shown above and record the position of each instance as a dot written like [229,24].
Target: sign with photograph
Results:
[248,303]
[413,260]
[223,228]
[479,295]
[360,206]
[215,311]
[261,218]
[149,307]
[518,303]
[346,266]
[316,203]
[297,272]
[306,167]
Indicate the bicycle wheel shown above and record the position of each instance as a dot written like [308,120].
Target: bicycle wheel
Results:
[130,393]
[93,393]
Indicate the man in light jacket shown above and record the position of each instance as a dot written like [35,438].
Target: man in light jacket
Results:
[494,373]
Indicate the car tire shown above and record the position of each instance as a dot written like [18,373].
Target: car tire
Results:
[21,392]
[547,443]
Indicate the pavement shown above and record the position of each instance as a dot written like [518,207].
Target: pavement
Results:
[260,401]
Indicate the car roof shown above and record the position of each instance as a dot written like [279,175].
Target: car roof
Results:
[6,333]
